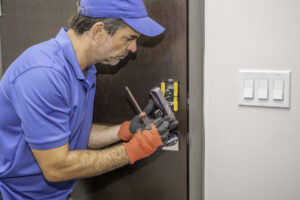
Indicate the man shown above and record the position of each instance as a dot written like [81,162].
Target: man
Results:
[46,100]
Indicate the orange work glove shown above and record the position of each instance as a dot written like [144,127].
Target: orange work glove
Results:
[124,132]
[128,128]
[143,144]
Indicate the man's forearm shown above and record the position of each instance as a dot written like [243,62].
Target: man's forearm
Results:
[102,135]
[87,163]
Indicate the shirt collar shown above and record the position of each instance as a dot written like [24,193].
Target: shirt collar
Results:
[65,42]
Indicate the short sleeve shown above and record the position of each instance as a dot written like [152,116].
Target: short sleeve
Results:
[40,97]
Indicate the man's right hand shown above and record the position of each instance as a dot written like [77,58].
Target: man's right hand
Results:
[145,142]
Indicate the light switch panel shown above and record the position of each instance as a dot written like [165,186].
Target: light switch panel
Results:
[270,88]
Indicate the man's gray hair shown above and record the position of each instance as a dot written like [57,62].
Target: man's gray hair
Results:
[80,24]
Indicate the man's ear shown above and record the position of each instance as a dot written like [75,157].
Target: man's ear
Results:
[98,31]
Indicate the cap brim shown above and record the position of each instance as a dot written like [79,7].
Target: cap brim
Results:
[145,26]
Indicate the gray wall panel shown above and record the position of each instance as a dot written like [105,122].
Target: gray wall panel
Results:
[196,129]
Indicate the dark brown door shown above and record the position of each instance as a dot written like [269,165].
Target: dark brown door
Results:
[164,176]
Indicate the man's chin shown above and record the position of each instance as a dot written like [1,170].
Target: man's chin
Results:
[113,63]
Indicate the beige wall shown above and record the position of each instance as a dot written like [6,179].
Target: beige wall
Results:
[251,153]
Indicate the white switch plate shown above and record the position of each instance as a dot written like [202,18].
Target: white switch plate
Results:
[174,147]
[271,76]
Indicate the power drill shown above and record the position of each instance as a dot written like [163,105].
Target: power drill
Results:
[164,108]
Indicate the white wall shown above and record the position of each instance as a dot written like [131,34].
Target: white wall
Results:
[251,153]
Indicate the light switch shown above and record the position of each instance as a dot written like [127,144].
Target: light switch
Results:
[249,89]
[278,90]
[263,87]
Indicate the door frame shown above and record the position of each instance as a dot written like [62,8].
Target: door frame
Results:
[196,37]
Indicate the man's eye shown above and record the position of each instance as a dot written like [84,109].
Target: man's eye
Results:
[129,39]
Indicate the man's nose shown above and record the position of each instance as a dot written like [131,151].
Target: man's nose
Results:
[133,46]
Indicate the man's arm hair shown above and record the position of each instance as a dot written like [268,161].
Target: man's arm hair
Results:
[60,164]
[103,135]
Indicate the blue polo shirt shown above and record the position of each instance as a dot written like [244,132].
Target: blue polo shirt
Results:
[45,102]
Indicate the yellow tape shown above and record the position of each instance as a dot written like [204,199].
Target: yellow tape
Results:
[175,89]
[175,104]
[163,87]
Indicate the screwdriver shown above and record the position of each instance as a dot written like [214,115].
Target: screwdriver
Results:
[142,114]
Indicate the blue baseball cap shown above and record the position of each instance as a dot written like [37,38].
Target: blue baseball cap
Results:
[133,12]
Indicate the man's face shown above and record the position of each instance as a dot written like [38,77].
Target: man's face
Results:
[116,47]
